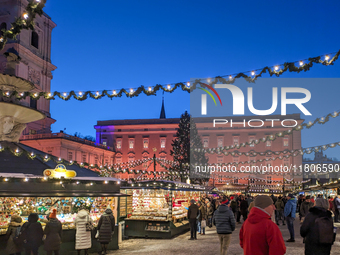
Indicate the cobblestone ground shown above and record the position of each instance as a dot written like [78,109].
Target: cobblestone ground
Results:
[207,244]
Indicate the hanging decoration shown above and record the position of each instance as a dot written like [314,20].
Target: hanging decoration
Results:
[310,124]
[250,76]
[25,21]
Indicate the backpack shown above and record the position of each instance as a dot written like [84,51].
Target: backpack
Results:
[324,230]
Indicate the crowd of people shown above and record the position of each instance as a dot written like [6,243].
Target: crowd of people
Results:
[261,217]
[28,237]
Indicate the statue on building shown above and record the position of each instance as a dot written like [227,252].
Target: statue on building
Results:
[10,129]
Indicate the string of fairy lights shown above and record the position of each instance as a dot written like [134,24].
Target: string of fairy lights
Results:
[310,124]
[25,21]
[250,76]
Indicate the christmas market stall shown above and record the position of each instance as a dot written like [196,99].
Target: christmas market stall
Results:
[55,188]
[158,209]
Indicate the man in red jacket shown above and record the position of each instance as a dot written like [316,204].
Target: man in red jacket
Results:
[259,235]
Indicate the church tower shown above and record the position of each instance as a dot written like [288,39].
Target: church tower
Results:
[34,48]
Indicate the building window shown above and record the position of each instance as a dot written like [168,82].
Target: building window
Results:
[219,142]
[235,140]
[119,144]
[285,141]
[205,142]
[131,159]
[118,160]
[104,142]
[236,181]
[145,164]
[3,26]
[235,159]
[70,156]
[33,103]
[252,181]
[146,143]
[268,143]
[269,179]
[252,161]
[106,161]
[96,160]
[131,143]
[35,39]
[285,161]
[219,159]
[163,143]
[269,162]
[84,158]
[251,139]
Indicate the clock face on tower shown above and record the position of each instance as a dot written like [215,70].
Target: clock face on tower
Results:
[33,76]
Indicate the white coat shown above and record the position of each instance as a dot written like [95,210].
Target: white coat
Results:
[83,237]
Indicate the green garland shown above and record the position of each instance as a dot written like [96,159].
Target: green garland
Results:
[32,9]
[310,124]
[188,87]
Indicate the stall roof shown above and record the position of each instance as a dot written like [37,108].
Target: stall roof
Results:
[162,184]
[10,163]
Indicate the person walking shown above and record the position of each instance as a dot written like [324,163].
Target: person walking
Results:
[53,231]
[279,205]
[304,208]
[243,208]
[259,234]
[210,212]
[34,233]
[202,217]
[106,227]
[83,237]
[317,229]
[290,214]
[192,216]
[336,203]
[13,231]
[224,221]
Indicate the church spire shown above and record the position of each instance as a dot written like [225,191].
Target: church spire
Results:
[162,116]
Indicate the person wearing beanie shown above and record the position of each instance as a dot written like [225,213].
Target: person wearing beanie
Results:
[290,214]
[34,234]
[53,232]
[83,237]
[259,234]
[311,232]
[304,208]
[106,227]
[224,221]
[13,228]
[192,216]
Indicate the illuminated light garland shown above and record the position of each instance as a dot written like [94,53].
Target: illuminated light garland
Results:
[276,70]
[26,21]
[299,127]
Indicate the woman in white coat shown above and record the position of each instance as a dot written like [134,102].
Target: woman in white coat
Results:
[83,237]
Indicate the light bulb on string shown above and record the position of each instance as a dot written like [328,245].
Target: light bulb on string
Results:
[252,73]
[301,63]
[326,57]
[25,15]
[276,68]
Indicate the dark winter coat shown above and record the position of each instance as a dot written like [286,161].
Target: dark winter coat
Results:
[193,211]
[304,208]
[106,226]
[210,211]
[33,231]
[224,220]
[53,232]
[233,205]
[308,230]
[202,213]
[11,247]
[243,206]
[336,202]
[279,205]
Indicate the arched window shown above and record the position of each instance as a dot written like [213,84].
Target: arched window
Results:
[35,39]
[3,26]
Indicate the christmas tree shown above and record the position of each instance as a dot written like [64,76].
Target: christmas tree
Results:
[187,148]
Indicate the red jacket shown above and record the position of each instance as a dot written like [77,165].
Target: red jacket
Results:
[259,235]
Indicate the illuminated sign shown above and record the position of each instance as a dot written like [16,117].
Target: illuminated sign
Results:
[59,172]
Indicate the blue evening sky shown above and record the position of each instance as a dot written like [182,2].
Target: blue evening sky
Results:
[124,44]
